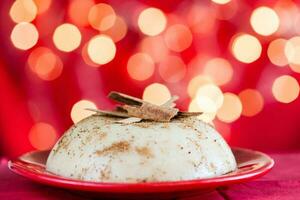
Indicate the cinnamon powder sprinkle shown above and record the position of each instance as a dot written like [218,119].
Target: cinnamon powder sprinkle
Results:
[118,147]
[144,151]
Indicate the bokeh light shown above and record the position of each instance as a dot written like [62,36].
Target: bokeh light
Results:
[45,64]
[67,37]
[42,136]
[152,21]
[221,1]
[172,69]
[209,97]
[156,93]
[23,11]
[231,109]
[140,66]
[276,52]
[118,31]
[155,47]
[102,16]
[285,89]
[101,49]
[78,11]
[85,56]
[196,82]
[252,101]
[42,5]
[178,37]
[219,70]
[79,111]
[292,50]
[24,36]
[264,21]
[246,48]
[207,117]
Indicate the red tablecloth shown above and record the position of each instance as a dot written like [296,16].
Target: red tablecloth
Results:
[282,183]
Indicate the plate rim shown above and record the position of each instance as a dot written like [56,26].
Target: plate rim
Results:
[166,186]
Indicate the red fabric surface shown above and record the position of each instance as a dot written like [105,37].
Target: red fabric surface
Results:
[283,183]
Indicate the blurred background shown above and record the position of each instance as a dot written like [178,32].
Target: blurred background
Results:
[236,61]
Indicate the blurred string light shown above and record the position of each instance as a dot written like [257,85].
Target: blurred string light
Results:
[42,136]
[42,5]
[156,93]
[252,102]
[231,108]
[292,50]
[79,111]
[264,21]
[221,1]
[285,89]
[219,70]
[118,31]
[67,37]
[45,64]
[155,47]
[196,82]
[23,11]
[101,49]
[24,35]
[102,16]
[246,48]
[178,37]
[276,52]
[78,11]
[152,21]
[172,69]
[140,66]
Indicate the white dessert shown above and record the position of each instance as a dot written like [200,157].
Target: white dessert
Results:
[99,148]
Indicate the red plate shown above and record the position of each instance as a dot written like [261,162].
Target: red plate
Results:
[251,164]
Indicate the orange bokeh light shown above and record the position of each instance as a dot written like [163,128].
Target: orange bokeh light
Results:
[23,11]
[178,37]
[140,66]
[172,69]
[45,64]
[231,109]
[24,36]
[85,56]
[42,5]
[196,83]
[118,31]
[285,89]
[276,52]
[78,11]
[219,70]
[252,101]
[156,93]
[42,136]
[102,16]
[155,47]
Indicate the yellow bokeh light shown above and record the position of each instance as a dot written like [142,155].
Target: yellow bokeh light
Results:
[252,101]
[23,11]
[140,66]
[172,69]
[102,16]
[196,83]
[67,37]
[155,47]
[178,37]
[231,109]
[276,52]
[264,21]
[209,97]
[219,70]
[118,31]
[246,48]
[156,93]
[285,89]
[205,116]
[24,36]
[152,21]
[101,49]
[42,5]
[42,136]
[86,57]
[292,50]
[45,64]
[221,1]
[78,11]
[79,111]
